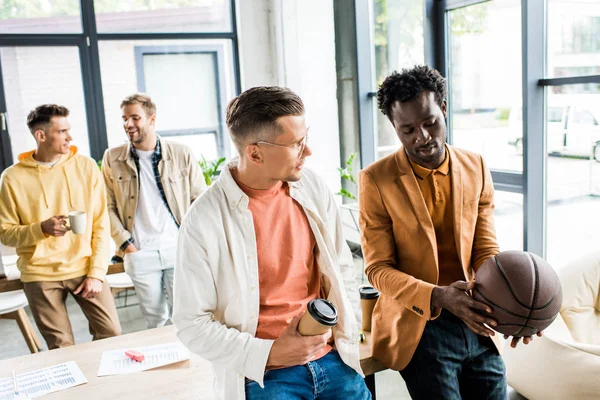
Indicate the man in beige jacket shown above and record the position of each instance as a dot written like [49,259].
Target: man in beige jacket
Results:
[150,184]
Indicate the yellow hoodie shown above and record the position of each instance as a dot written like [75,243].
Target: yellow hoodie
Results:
[31,193]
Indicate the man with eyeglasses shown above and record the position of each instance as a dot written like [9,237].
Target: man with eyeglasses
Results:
[254,249]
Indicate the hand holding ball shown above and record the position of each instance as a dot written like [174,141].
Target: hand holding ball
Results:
[523,291]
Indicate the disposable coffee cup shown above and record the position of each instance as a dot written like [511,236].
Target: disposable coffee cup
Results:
[77,220]
[320,316]
[368,298]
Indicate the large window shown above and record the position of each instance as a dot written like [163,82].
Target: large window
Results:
[508,216]
[573,140]
[398,43]
[524,91]
[485,81]
[26,86]
[163,16]
[31,16]
[89,55]
[189,80]
[485,91]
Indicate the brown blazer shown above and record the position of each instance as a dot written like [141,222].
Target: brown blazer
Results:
[400,250]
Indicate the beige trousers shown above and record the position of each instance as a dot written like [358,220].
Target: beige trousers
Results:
[47,303]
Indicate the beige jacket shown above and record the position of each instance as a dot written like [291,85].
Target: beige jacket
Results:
[180,175]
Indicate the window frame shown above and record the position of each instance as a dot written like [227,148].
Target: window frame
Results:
[532,182]
[87,41]
[217,52]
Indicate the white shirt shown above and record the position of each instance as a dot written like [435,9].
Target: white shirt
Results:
[154,227]
[48,164]
[216,289]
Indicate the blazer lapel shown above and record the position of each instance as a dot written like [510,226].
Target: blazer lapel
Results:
[411,187]
[457,201]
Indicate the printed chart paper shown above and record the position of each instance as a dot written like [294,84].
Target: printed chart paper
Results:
[43,381]
[115,362]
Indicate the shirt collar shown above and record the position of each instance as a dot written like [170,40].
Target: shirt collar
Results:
[235,195]
[157,151]
[423,172]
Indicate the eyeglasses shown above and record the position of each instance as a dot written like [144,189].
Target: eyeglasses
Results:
[298,146]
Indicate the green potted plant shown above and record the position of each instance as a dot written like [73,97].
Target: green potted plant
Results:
[349,209]
[347,176]
[210,170]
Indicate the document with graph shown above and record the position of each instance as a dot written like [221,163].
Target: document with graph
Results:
[116,362]
[42,381]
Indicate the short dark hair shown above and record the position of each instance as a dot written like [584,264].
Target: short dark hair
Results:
[408,85]
[41,116]
[142,99]
[254,113]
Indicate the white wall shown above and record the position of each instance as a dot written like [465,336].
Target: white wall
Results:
[291,43]
[256,43]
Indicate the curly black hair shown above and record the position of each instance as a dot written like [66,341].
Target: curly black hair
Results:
[408,85]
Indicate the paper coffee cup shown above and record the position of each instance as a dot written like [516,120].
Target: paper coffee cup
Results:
[77,220]
[318,318]
[368,298]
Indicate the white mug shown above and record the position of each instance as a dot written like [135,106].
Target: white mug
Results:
[77,220]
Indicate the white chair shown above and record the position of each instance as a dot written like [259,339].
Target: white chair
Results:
[8,267]
[565,362]
[119,283]
[12,306]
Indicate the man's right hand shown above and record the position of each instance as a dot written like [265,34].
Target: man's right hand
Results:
[55,226]
[131,248]
[291,348]
[455,298]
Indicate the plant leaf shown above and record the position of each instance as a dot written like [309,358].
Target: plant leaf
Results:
[345,193]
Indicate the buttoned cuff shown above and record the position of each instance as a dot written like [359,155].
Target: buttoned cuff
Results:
[256,363]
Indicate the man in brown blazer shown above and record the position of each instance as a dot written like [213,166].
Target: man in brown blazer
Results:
[427,225]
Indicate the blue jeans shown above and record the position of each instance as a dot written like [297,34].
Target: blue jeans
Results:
[453,362]
[327,378]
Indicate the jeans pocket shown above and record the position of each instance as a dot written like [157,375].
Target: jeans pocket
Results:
[129,260]
[250,381]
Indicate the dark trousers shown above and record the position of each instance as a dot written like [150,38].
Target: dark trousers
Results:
[452,362]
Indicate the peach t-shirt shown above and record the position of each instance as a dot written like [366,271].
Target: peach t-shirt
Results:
[288,274]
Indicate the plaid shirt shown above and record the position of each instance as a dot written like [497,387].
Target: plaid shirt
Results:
[156,157]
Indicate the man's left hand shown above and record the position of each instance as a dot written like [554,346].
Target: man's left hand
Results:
[89,288]
[526,339]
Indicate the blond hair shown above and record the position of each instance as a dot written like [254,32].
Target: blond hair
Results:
[143,99]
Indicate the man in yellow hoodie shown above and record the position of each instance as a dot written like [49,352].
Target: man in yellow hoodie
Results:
[36,195]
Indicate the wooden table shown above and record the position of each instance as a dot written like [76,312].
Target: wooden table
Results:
[191,379]
[155,336]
